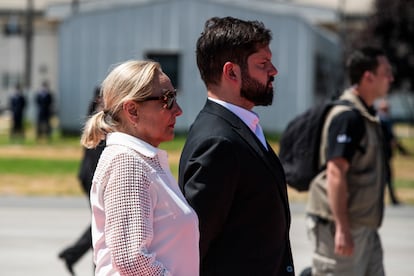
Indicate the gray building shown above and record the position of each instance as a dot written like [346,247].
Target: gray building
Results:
[100,35]
[13,55]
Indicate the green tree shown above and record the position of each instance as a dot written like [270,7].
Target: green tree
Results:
[391,26]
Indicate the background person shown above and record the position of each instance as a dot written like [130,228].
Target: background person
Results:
[17,107]
[44,101]
[74,252]
[141,223]
[391,143]
[228,172]
[346,200]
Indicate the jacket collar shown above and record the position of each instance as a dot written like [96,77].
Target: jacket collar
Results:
[359,104]
[243,131]
[268,157]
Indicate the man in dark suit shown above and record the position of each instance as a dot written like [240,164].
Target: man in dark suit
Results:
[17,107]
[44,101]
[228,172]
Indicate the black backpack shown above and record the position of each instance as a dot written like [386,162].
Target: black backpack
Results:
[300,142]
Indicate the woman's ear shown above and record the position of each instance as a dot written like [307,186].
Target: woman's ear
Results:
[131,110]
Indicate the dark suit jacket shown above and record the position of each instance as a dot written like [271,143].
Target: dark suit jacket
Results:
[238,190]
[88,165]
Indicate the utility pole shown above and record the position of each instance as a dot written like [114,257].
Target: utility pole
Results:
[28,38]
[343,39]
[75,6]
[342,23]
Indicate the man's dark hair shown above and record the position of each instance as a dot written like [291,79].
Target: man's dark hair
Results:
[228,39]
[362,60]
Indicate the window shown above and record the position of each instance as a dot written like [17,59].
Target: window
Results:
[169,63]
[326,78]
[9,80]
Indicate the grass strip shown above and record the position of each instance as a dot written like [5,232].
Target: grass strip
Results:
[29,166]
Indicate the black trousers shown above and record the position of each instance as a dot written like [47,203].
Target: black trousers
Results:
[80,247]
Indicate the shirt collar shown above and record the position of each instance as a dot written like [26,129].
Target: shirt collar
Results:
[250,118]
[119,138]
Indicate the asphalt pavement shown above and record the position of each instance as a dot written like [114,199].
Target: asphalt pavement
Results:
[34,229]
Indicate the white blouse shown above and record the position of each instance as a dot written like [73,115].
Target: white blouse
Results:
[141,222]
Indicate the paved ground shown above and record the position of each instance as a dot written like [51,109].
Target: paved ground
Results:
[34,230]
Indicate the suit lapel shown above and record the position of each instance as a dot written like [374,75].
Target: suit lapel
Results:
[268,157]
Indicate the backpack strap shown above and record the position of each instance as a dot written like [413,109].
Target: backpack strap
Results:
[338,107]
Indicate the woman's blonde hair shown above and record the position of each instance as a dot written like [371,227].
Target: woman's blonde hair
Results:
[130,80]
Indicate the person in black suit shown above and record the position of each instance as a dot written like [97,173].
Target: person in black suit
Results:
[71,254]
[228,172]
[17,107]
[391,143]
[44,102]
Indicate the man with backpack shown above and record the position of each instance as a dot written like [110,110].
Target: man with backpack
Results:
[345,206]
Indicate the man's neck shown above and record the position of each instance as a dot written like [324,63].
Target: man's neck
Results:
[364,95]
[231,98]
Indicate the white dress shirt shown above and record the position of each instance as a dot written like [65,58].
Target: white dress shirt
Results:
[250,118]
[141,222]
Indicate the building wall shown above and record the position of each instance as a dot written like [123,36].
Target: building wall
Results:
[91,42]
[11,65]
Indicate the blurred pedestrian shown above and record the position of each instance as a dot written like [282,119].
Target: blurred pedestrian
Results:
[391,143]
[346,200]
[17,107]
[141,223]
[44,101]
[73,253]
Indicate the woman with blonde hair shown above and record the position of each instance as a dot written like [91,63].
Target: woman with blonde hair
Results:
[141,223]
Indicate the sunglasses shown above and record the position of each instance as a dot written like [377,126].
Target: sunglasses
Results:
[168,98]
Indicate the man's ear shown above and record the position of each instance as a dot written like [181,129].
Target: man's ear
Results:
[368,75]
[231,71]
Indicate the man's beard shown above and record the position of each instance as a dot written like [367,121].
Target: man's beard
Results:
[255,91]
